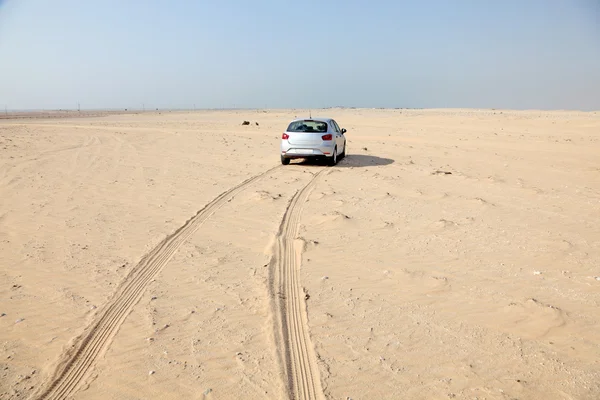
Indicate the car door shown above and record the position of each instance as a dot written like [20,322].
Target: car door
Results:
[339,140]
[336,134]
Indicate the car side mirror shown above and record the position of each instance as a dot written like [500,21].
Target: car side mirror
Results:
[344,130]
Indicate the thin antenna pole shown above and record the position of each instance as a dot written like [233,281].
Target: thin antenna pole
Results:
[143,107]
[5,110]
[78,107]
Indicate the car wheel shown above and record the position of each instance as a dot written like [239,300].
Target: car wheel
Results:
[343,153]
[333,160]
[285,161]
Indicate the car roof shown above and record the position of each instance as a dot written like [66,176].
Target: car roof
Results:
[320,119]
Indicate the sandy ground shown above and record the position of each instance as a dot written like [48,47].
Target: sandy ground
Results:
[452,254]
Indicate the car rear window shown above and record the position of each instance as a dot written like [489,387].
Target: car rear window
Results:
[307,126]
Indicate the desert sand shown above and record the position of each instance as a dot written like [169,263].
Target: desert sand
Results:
[451,254]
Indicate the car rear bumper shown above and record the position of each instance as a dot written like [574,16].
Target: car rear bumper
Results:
[296,151]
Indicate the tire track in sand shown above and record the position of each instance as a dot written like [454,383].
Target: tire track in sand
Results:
[77,362]
[291,322]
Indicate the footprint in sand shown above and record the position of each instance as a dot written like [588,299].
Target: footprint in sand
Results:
[533,319]
[335,216]
[444,224]
[263,195]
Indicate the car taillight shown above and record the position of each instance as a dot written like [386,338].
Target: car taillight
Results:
[285,136]
[327,137]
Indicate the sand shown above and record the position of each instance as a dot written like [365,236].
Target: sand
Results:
[451,254]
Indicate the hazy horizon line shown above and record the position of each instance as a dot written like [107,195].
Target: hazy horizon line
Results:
[142,110]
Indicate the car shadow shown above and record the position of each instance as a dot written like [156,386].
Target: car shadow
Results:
[363,160]
[350,161]
[310,162]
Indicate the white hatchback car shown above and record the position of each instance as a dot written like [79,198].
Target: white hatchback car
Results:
[313,137]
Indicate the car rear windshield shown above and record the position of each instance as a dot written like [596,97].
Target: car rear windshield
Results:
[307,126]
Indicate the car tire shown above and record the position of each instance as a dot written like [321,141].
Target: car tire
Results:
[334,158]
[285,161]
[343,153]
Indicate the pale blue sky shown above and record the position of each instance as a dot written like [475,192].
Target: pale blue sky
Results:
[540,54]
